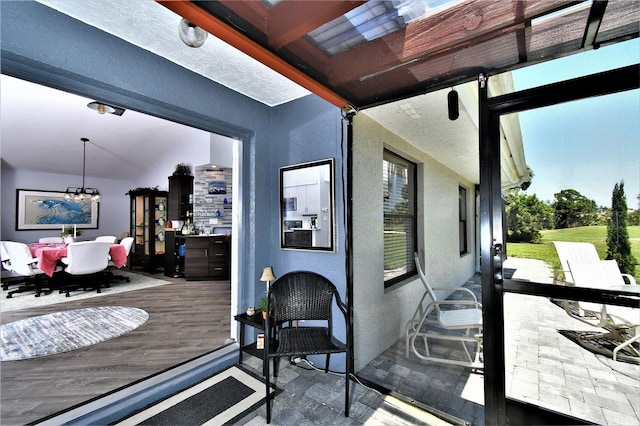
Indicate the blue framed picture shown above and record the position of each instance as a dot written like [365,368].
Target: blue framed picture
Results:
[217,187]
[49,210]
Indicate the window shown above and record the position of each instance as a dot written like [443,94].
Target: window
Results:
[462,219]
[400,218]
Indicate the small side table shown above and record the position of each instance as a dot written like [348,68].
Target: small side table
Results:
[256,322]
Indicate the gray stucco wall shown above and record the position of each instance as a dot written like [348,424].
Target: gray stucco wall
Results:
[380,315]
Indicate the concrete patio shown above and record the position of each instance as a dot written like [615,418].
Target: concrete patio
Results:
[543,367]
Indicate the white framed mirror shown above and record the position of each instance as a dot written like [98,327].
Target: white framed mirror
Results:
[307,211]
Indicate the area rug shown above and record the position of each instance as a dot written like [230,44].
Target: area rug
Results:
[28,300]
[221,399]
[66,331]
[602,345]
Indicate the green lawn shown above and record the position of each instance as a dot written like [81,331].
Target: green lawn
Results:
[597,235]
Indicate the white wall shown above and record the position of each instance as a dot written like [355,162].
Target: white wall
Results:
[380,315]
[194,150]
[114,207]
[221,151]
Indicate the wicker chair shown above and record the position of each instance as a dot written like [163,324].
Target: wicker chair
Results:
[307,296]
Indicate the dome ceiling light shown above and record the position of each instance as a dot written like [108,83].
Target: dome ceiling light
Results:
[190,34]
[103,108]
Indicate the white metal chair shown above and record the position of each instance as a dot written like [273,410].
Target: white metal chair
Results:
[444,320]
[107,238]
[86,264]
[571,252]
[582,267]
[622,323]
[51,240]
[24,264]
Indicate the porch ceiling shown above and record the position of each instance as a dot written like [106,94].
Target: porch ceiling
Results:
[360,54]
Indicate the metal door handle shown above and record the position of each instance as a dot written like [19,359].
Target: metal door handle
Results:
[496,251]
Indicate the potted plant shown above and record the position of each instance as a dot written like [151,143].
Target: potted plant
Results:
[263,307]
[68,234]
[182,169]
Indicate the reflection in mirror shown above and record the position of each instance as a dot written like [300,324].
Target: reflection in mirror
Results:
[307,206]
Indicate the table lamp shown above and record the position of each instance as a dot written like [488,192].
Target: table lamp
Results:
[267,276]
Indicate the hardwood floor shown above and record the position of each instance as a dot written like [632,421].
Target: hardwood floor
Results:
[186,319]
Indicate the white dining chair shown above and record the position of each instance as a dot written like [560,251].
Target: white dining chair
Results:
[107,238]
[127,242]
[24,264]
[86,263]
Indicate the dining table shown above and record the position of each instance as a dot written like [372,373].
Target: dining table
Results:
[49,254]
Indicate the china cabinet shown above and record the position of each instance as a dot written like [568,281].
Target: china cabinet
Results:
[180,207]
[148,223]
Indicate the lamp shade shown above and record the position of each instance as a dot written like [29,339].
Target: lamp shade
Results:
[267,274]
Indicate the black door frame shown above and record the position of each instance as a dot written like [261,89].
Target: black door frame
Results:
[499,409]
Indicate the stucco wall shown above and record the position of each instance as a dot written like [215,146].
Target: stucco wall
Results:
[380,315]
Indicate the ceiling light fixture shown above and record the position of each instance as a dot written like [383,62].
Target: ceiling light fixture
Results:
[103,108]
[191,34]
[81,193]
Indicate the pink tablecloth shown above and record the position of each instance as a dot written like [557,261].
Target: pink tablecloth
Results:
[49,256]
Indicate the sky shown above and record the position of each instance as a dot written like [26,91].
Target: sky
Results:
[586,145]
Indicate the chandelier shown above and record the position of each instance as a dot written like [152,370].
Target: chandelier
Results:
[82,193]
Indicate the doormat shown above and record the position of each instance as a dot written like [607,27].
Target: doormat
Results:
[601,345]
[221,399]
[66,331]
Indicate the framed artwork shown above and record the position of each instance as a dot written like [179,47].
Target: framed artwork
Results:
[217,187]
[40,210]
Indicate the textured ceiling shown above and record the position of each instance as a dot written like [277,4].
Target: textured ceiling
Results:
[153,27]
[121,147]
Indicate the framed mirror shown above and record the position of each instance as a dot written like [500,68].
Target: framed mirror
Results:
[307,215]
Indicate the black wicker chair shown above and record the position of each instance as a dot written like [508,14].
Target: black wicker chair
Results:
[303,295]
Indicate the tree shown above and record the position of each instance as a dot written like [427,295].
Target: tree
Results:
[618,244]
[526,216]
[573,209]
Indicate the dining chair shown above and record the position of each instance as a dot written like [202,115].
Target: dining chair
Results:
[23,264]
[50,240]
[8,277]
[127,242]
[4,257]
[107,238]
[86,263]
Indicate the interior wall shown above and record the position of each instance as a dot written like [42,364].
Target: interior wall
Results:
[221,151]
[113,216]
[114,206]
[380,314]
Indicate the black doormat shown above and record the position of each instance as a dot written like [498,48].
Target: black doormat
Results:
[221,399]
[600,345]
